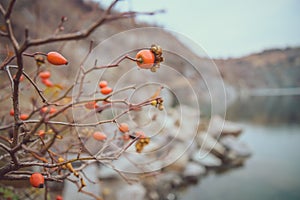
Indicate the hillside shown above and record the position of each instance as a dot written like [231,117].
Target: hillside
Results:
[276,68]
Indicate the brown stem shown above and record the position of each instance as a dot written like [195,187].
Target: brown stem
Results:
[4,34]
[6,148]
[51,142]
[58,178]
[9,9]
[44,100]
[83,33]
[15,98]
[7,61]
[112,65]
[2,10]
[34,54]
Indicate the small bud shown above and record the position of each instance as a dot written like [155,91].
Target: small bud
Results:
[154,103]
[70,167]
[64,18]
[153,69]
[76,174]
[160,100]
[59,137]
[39,60]
[160,107]
[61,159]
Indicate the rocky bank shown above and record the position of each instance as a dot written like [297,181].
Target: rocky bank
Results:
[172,161]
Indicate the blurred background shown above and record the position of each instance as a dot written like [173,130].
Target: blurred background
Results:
[226,28]
[255,46]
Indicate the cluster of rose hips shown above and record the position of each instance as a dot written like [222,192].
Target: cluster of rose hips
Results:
[123,127]
[23,116]
[91,105]
[44,110]
[142,141]
[145,59]
[21,77]
[44,76]
[104,88]
[53,58]
[37,179]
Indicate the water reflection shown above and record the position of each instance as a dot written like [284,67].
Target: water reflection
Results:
[266,110]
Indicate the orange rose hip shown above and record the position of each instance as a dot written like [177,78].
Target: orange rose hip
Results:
[106,90]
[145,59]
[56,58]
[37,180]
[123,127]
[99,136]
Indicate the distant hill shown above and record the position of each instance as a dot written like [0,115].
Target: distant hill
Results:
[275,68]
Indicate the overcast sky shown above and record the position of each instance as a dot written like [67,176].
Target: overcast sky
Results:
[228,28]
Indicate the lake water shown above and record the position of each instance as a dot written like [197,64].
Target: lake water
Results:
[272,130]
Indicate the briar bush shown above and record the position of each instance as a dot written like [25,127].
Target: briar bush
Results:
[38,130]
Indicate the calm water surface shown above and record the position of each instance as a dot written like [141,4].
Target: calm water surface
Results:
[273,171]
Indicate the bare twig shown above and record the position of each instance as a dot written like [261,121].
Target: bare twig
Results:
[6,148]
[6,61]
[9,9]
[69,36]
[81,34]
[112,65]
[11,35]
[3,34]
[44,100]
[2,10]
[46,191]
[40,92]
[6,139]
[58,178]
[83,191]
[9,76]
